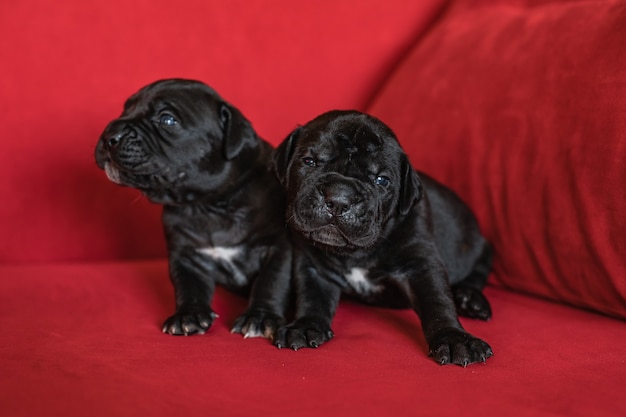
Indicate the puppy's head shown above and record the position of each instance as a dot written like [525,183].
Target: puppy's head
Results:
[177,141]
[346,179]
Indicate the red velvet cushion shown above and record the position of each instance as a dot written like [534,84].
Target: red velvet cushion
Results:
[522,111]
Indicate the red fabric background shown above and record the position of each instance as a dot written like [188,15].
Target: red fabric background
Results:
[67,68]
[521,110]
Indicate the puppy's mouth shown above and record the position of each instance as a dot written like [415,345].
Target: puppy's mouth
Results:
[113,174]
[146,180]
[328,236]
[335,236]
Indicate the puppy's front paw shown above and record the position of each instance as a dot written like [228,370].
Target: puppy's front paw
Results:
[189,321]
[472,303]
[256,322]
[304,332]
[458,347]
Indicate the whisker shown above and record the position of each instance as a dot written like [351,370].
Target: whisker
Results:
[136,199]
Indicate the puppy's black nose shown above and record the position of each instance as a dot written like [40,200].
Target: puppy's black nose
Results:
[114,137]
[338,198]
[114,140]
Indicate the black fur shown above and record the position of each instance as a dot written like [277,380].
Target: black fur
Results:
[367,225]
[186,148]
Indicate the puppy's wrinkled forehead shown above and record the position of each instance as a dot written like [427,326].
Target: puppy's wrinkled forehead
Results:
[351,136]
[347,134]
[184,96]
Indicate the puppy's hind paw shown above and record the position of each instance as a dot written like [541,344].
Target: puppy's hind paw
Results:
[471,303]
[257,323]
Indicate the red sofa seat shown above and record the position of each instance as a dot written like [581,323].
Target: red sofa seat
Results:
[517,105]
[87,341]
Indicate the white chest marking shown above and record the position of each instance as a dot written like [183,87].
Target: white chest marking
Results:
[226,257]
[220,253]
[357,278]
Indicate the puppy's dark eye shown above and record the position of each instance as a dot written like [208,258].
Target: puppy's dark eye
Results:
[382,181]
[310,162]
[167,120]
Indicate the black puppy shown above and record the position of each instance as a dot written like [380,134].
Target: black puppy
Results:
[366,224]
[186,148]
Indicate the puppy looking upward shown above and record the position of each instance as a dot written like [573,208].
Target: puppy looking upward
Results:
[366,224]
[184,147]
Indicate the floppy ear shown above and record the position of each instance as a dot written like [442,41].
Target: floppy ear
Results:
[410,187]
[237,130]
[281,156]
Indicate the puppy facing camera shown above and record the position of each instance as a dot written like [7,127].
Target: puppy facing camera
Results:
[366,224]
[184,147]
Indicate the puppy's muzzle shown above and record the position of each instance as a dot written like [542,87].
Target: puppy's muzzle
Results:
[124,146]
[337,212]
[116,134]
